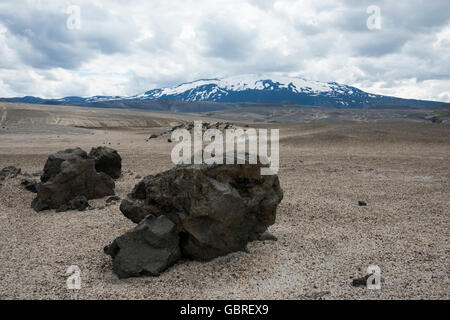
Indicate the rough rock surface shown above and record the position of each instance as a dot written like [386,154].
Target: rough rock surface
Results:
[30,185]
[69,175]
[53,165]
[218,209]
[10,171]
[79,203]
[148,249]
[107,160]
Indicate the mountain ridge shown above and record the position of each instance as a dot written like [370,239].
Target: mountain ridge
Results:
[245,89]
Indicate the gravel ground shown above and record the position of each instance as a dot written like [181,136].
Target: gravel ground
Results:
[324,238]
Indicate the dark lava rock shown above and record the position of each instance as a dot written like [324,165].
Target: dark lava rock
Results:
[148,249]
[107,160]
[218,209]
[10,171]
[67,176]
[153,136]
[362,203]
[53,165]
[169,140]
[79,203]
[112,199]
[30,185]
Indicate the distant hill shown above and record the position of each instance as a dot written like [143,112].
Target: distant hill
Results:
[241,91]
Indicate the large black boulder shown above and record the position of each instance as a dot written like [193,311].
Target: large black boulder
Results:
[69,180]
[218,209]
[53,165]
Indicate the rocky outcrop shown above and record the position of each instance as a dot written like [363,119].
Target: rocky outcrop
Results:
[69,180]
[107,160]
[148,249]
[217,209]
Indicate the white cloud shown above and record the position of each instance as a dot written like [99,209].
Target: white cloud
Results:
[126,47]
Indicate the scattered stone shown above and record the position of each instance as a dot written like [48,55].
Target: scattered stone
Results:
[107,160]
[267,236]
[67,176]
[10,171]
[79,203]
[30,185]
[218,208]
[138,177]
[148,249]
[112,199]
[362,203]
[169,140]
[153,136]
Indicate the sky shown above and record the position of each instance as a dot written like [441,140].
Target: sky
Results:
[58,48]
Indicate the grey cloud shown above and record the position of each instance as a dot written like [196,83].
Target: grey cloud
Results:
[225,39]
[42,40]
[114,50]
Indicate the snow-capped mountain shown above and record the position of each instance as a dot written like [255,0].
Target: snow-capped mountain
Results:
[250,88]
[246,89]
[254,88]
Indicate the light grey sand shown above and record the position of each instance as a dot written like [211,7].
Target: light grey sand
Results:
[324,238]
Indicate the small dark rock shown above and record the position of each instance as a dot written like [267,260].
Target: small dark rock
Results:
[112,199]
[79,203]
[30,185]
[10,171]
[138,177]
[169,140]
[362,203]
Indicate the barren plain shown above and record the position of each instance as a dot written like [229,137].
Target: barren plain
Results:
[325,239]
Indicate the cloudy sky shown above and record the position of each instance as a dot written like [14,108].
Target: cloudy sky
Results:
[124,47]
